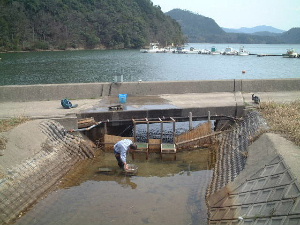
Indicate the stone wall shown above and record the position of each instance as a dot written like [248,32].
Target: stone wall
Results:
[23,184]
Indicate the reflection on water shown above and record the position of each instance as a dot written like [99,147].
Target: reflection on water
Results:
[163,192]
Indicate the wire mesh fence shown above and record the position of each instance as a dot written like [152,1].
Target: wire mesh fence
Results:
[233,150]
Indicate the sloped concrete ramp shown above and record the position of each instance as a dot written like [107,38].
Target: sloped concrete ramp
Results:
[267,191]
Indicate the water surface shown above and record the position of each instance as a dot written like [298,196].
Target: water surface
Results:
[163,192]
[103,65]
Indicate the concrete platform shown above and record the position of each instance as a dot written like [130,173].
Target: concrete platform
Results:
[53,109]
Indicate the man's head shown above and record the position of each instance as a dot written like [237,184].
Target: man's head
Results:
[133,146]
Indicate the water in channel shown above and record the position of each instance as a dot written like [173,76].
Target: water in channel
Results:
[163,192]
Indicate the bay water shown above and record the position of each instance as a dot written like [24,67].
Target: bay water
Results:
[86,66]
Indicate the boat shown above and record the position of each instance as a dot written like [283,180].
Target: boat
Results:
[204,51]
[291,53]
[193,51]
[153,48]
[243,52]
[214,51]
[182,50]
[230,51]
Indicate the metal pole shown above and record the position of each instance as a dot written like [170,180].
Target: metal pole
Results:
[162,130]
[174,130]
[190,120]
[208,116]
[148,130]
[134,130]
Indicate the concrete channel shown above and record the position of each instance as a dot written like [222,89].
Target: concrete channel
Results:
[255,180]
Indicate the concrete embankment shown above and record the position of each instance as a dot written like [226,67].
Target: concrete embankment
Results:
[23,93]
[37,154]
[264,193]
[255,183]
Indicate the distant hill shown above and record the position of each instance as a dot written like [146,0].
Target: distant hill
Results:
[266,33]
[291,36]
[252,30]
[63,24]
[196,27]
[199,29]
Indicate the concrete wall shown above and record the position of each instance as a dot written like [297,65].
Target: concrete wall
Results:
[20,93]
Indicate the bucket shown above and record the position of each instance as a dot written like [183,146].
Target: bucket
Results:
[123,98]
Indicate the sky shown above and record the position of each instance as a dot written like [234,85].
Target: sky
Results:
[281,14]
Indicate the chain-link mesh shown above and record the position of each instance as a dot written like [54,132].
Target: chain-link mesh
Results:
[28,181]
[233,150]
[155,131]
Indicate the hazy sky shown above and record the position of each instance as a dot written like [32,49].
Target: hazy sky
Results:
[281,14]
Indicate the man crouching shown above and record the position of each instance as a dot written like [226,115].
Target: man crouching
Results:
[120,150]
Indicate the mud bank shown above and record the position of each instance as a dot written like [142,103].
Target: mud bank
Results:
[37,154]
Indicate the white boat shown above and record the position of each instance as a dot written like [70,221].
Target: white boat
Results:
[204,51]
[193,51]
[182,50]
[291,53]
[230,51]
[153,49]
[243,52]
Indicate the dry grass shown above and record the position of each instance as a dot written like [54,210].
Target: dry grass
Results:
[283,118]
[8,124]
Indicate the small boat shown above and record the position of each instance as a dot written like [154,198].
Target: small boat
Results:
[193,51]
[204,51]
[230,51]
[291,53]
[182,50]
[214,51]
[153,49]
[242,51]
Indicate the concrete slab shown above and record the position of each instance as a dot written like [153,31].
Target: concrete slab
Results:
[214,101]
[268,187]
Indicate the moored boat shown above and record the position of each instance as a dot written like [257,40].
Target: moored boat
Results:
[243,52]
[153,48]
[214,51]
[291,53]
[230,51]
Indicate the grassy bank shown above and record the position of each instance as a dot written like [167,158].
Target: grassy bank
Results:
[283,118]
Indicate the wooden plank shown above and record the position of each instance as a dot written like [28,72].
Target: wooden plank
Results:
[86,122]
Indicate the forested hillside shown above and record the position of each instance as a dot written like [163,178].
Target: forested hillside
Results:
[198,28]
[194,24]
[62,24]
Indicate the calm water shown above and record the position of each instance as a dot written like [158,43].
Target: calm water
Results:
[102,66]
[163,192]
